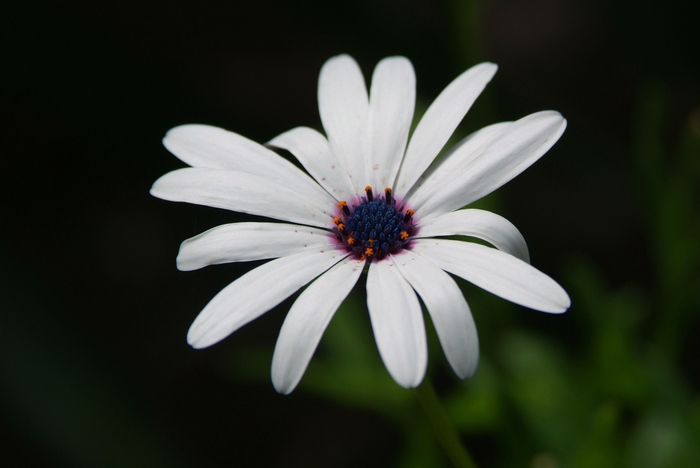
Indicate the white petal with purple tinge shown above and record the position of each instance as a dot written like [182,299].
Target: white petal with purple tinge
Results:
[256,292]
[492,228]
[244,242]
[343,105]
[439,122]
[458,155]
[497,272]
[391,101]
[314,153]
[245,193]
[397,322]
[307,320]
[492,164]
[215,148]
[447,308]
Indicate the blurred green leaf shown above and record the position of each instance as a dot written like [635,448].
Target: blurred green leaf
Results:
[672,189]
[600,446]
[477,404]
[545,389]
[662,439]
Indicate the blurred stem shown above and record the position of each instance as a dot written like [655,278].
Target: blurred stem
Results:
[444,429]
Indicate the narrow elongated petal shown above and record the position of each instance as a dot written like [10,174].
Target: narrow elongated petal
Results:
[256,292]
[216,148]
[457,156]
[391,103]
[244,242]
[245,193]
[495,271]
[307,320]
[343,105]
[440,121]
[397,323]
[492,228]
[493,164]
[314,153]
[448,309]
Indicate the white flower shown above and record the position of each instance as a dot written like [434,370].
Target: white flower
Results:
[329,209]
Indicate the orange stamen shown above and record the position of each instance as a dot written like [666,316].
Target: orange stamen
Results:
[343,205]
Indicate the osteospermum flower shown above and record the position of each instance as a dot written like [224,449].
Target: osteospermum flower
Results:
[370,200]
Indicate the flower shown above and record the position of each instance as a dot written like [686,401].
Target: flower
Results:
[371,200]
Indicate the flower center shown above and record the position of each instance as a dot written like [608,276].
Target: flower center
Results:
[374,228]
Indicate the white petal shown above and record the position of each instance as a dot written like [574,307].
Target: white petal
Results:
[343,105]
[307,320]
[493,164]
[313,151]
[391,103]
[440,121]
[448,309]
[397,322]
[457,156]
[216,148]
[495,271]
[244,242]
[242,192]
[256,292]
[494,229]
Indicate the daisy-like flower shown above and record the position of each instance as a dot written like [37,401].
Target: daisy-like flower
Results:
[369,200]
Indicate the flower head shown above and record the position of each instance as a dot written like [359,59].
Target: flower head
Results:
[370,199]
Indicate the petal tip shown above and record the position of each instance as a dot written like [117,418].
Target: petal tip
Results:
[491,66]
[556,115]
[560,304]
[467,370]
[170,134]
[156,188]
[164,188]
[195,344]
[339,58]
[282,385]
[283,390]
[566,305]
[396,59]
[183,265]
[197,338]
[487,68]
[178,131]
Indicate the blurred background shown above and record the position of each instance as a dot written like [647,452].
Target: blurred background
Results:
[94,367]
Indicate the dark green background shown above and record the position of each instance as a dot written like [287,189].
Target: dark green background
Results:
[93,314]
